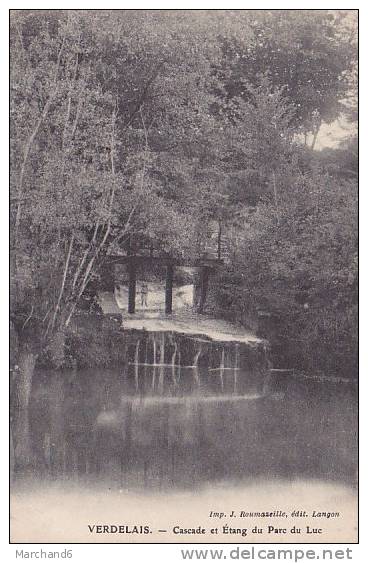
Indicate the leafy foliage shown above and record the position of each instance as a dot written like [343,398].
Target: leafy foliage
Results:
[150,126]
[295,256]
[311,53]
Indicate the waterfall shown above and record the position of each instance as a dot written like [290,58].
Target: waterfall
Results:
[154,363]
[179,366]
[236,368]
[136,365]
[146,360]
[162,363]
[173,359]
[195,366]
[168,363]
[222,368]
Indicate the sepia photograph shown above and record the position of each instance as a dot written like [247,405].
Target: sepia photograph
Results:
[183,276]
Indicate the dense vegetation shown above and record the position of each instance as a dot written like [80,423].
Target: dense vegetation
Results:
[153,125]
[296,262]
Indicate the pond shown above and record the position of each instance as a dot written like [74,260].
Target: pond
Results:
[183,424]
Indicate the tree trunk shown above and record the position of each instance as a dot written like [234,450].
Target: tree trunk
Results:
[23,450]
[315,134]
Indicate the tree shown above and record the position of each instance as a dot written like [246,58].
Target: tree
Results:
[57,107]
[97,103]
[311,53]
[149,126]
[295,255]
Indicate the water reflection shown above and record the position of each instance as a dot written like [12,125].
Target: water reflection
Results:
[176,417]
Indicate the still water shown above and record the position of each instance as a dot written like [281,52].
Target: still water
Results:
[169,421]
[185,427]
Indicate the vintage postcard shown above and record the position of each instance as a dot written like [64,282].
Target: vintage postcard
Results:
[183,276]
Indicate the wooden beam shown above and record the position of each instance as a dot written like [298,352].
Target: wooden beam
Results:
[147,259]
[169,288]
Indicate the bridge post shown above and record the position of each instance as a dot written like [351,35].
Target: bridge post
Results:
[204,276]
[169,288]
[132,285]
